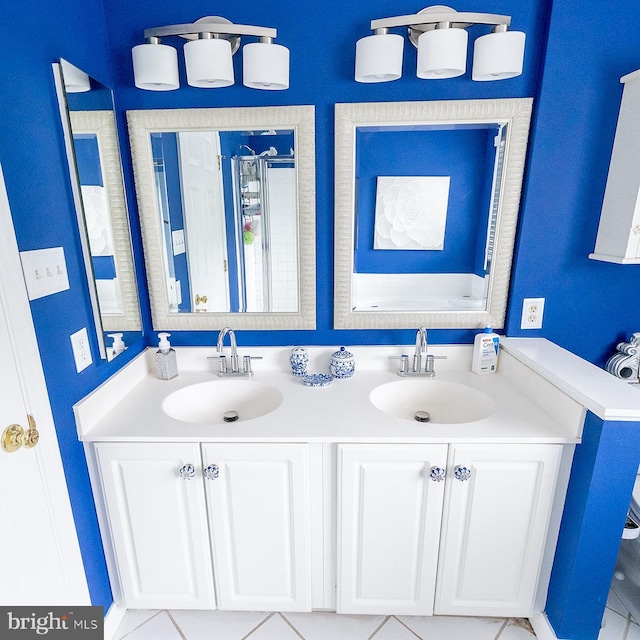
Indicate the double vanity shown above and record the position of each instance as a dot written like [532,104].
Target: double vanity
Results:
[337,498]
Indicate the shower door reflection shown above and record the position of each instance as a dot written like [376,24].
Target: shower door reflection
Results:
[229,221]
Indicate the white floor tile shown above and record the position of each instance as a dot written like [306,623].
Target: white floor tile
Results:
[222,625]
[393,629]
[446,627]
[133,618]
[332,626]
[275,628]
[159,626]
[614,603]
[516,631]
[634,632]
[614,626]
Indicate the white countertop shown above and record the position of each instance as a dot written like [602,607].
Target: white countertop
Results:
[128,407]
[597,390]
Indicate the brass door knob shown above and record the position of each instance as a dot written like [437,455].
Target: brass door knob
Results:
[15,436]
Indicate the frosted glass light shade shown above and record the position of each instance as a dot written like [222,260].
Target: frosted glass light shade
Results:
[265,66]
[155,67]
[498,56]
[75,80]
[379,58]
[209,63]
[442,53]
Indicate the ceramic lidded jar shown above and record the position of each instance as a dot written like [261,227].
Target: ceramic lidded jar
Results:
[298,360]
[342,364]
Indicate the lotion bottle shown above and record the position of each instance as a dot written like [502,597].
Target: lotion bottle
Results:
[166,362]
[485,352]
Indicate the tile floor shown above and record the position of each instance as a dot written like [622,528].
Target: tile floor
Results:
[231,625]
[618,623]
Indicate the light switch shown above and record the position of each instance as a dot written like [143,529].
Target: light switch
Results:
[177,238]
[45,272]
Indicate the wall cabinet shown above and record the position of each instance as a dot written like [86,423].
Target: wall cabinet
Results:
[618,238]
[472,544]
[184,517]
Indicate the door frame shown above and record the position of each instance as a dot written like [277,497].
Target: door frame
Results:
[23,339]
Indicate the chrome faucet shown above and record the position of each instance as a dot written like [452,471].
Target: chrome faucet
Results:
[234,349]
[235,370]
[421,348]
[420,352]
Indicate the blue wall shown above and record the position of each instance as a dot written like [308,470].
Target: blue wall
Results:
[573,78]
[37,180]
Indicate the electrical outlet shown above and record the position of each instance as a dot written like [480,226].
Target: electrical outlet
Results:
[81,349]
[532,312]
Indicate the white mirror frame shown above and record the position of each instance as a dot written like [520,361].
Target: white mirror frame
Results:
[516,112]
[299,118]
[103,125]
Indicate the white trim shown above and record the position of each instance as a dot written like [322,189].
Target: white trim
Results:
[112,620]
[542,626]
[27,357]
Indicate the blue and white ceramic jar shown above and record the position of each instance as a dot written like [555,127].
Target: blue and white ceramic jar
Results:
[342,364]
[299,359]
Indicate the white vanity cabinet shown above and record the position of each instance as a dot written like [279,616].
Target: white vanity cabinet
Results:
[184,516]
[389,512]
[471,546]
[494,528]
[158,524]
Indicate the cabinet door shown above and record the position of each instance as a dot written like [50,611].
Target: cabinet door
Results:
[494,528]
[389,513]
[158,523]
[259,517]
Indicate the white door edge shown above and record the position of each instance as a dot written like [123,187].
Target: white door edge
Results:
[22,332]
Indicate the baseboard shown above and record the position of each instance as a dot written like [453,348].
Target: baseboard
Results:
[112,620]
[542,627]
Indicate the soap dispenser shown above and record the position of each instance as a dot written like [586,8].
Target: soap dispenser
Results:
[118,345]
[166,362]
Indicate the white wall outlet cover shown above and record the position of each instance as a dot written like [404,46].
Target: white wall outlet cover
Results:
[532,312]
[81,349]
[45,272]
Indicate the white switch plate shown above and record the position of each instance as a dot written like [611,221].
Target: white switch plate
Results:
[45,272]
[532,312]
[81,349]
[177,237]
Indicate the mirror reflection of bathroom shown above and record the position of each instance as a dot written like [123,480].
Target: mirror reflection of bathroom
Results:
[228,206]
[626,578]
[102,214]
[427,203]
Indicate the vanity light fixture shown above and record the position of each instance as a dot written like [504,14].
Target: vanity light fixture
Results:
[439,34]
[212,41]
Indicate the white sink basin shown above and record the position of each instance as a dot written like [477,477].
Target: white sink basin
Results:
[445,402]
[208,402]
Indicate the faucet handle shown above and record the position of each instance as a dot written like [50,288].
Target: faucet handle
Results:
[222,363]
[404,362]
[246,363]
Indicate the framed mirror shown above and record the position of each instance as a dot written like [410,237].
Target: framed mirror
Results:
[96,174]
[227,209]
[427,200]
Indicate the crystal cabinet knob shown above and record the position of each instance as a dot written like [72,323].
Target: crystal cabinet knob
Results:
[187,472]
[462,473]
[211,472]
[437,474]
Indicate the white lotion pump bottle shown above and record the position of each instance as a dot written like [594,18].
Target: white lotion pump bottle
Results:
[165,358]
[485,352]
